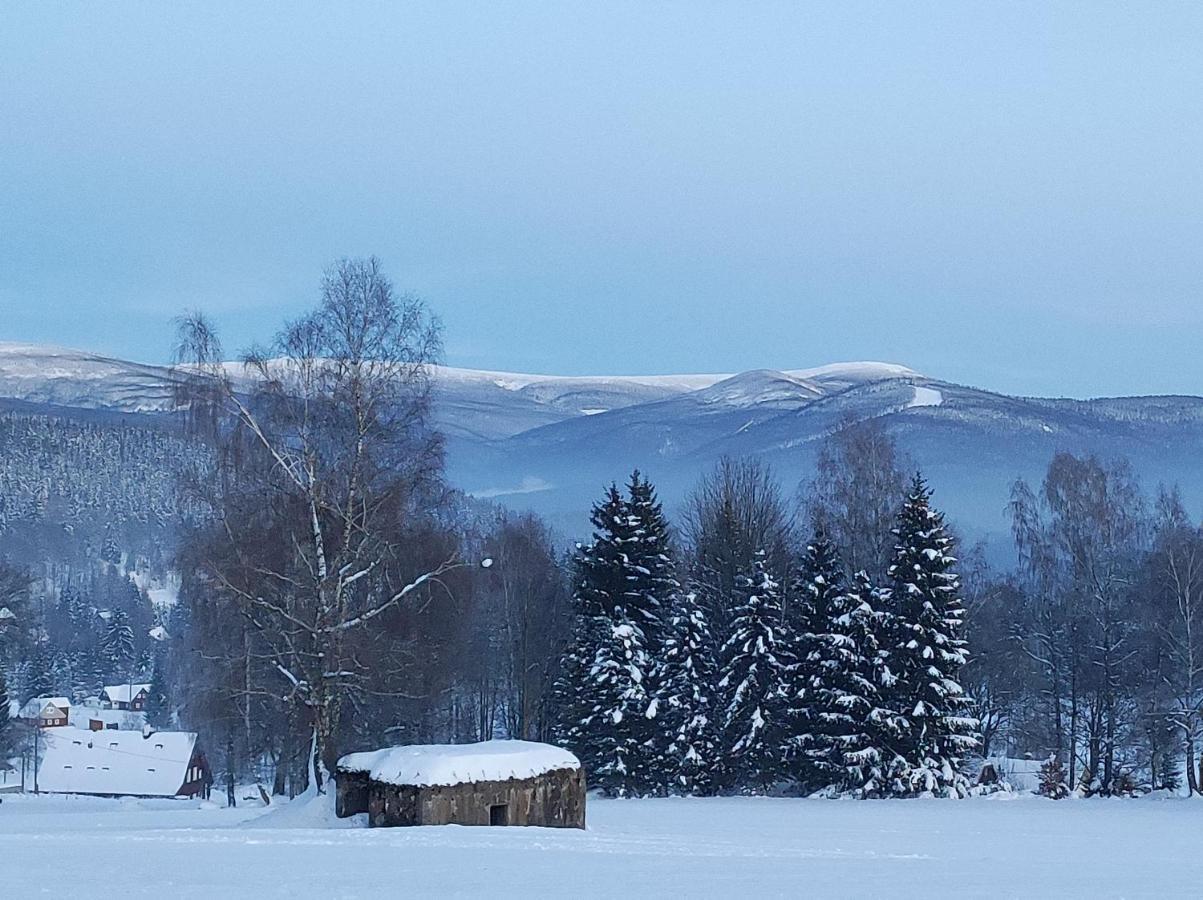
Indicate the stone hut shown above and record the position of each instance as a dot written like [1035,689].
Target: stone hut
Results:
[489,783]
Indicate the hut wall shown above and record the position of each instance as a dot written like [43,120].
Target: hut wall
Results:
[555,799]
[351,793]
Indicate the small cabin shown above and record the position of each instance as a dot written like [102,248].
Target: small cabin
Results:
[46,712]
[123,764]
[487,783]
[127,696]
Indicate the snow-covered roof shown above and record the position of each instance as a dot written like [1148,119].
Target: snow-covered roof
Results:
[33,708]
[121,693]
[115,762]
[6,614]
[426,765]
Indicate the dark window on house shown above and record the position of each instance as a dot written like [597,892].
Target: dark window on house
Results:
[499,814]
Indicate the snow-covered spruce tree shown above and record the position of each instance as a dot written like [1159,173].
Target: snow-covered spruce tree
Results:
[686,680]
[651,594]
[603,689]
[117,642]
[619,733]
[596,579]
[652,585]
[817,717]
[926,652]
[39,673]
[571,702]
[864,748]
[754,685]
[158,703]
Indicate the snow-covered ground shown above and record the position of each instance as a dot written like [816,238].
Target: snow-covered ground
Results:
[925,396]
[1016,847]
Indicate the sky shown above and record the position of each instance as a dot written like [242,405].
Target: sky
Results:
[1008,195]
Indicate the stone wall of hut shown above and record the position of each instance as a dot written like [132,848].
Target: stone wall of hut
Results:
[351,793]
[555,799]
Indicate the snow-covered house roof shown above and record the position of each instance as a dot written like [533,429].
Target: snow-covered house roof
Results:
[124,693]
[6,614]
[115,762]
[34,708]
[425,765]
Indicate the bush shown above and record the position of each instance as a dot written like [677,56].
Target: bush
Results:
[1052,780]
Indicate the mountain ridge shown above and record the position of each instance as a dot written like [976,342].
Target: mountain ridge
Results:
[549,443]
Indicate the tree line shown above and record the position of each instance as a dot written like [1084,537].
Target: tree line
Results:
[744,681]
[336,594]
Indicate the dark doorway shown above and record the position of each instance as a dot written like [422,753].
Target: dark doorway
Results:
[499,814]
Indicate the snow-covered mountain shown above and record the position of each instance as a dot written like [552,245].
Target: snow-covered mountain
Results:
[551,442]
[58,376]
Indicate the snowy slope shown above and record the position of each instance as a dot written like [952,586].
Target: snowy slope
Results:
[44,374]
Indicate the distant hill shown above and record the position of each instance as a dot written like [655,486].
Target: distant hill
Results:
[549,443]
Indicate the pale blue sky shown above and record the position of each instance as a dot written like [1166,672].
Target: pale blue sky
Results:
[1004,194]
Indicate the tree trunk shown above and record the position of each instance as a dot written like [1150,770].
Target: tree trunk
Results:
[1192,782]
[1073,728]
[231,798]
[279,777]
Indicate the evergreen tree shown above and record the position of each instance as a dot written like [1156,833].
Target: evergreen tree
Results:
[571,701]
[158,704]
[861,746]
[1052,779]
[652,592]
[754,685]
[117,643]
[619,731]
[653,584]
[109,551]
[603,692]
[926,652]
[817,715]
[89,668]
[62,674]
[8,727]
[686,681]
[39,672]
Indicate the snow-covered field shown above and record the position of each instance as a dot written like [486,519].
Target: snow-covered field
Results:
[1017,847]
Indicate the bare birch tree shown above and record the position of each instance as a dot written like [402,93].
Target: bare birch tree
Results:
[325,450]
[1082,541]
[857,488]
[1176,565]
